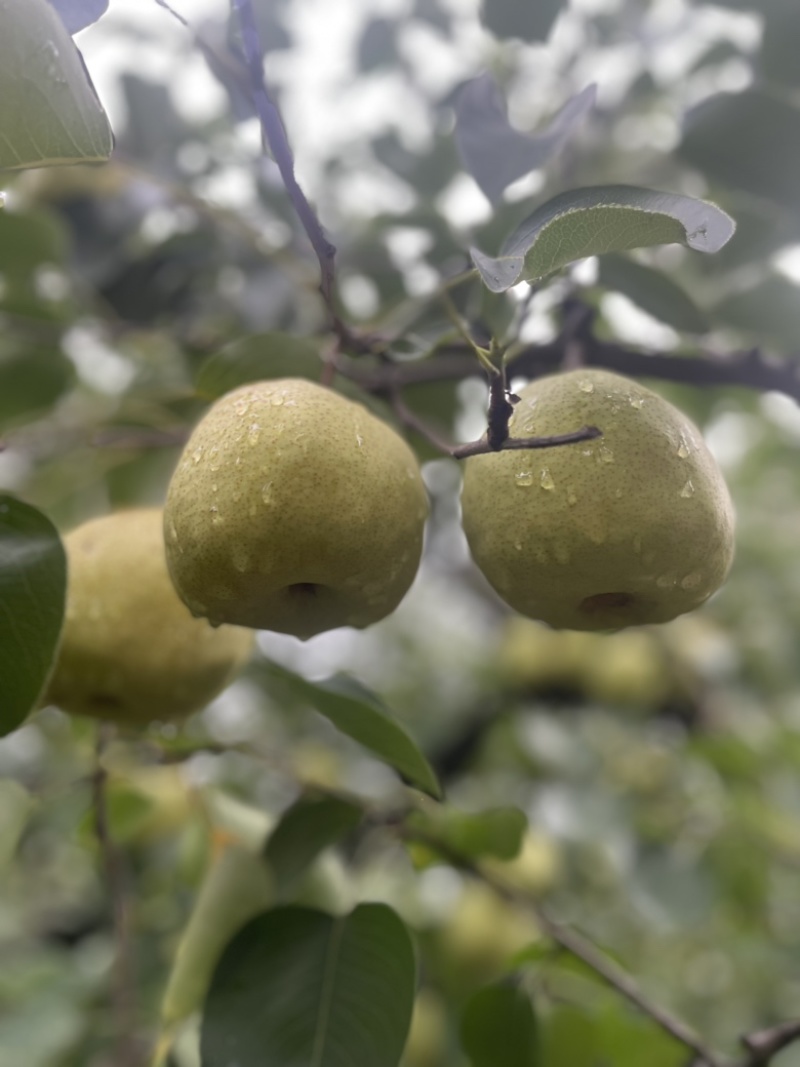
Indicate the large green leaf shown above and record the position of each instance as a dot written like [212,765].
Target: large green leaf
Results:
[748,140]
[33,577]
[600,219]
[298,988]
[360,713]
[50,112]
[309,826]
[652,291]
[261,356]
[499,1029]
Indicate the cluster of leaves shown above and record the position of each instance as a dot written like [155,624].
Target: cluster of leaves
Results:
[128,300]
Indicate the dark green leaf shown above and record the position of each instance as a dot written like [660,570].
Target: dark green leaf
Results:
[600,219]
[51,114]
[532,21]
[495,832]
[309,826]
[31,378]
[493,151]
[360,713]
[499,1029]
[748,141]
[652,291]
[298,988]
[78,14]
[253,359]
[33,577]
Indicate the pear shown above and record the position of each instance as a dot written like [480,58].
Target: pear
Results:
[634,527]
[130,650]
[294,509]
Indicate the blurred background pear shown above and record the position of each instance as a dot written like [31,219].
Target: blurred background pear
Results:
[130,650]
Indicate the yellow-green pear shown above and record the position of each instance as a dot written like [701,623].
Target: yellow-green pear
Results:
[130,650]
[634,527]
[294,509]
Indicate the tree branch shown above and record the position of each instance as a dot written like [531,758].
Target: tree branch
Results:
[763,1045]
[579,947]
[127,1049]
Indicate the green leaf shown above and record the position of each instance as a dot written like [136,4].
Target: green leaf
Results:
[499,1028]
[530,20]
[652,291]
[495,832]
[748,141]
[298,988]
[493,151]
[51,114]
[600,219]
[310,825]
[360,713]
[33,578]
[256,358]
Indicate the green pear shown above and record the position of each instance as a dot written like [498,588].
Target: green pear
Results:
[130,650]
[294,509]
[634,527]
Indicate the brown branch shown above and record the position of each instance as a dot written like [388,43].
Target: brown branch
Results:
[763,1045]
[127,1053]
[579,947]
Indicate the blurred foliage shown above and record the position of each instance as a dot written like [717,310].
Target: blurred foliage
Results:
[657,769]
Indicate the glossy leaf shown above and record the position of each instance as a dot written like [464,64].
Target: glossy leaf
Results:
[530,20]
[493,151]
[310,825]
[298,988]
[253,359]
[600,219]
[51,114]
[78,14]
[499,1028]
[749,141]
[496,832]
[360,713]
[33,576]
[653,291]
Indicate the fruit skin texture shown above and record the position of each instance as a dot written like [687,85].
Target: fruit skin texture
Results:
[634,527]
[294,509]
[130,650]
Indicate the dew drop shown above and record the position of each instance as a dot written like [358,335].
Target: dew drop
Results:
[214,487]
[523,479]
[241,406]
[216,518]
[266,492]
[665,581]
[636,402]
[605,455]
[572,499]
[518,546]
[197,455]
[214,461]
[691,581]
[546,480]
[173,533]
[683,448]
[278,400]
[688,490]
[359,440]
[529,426]
[253,434]
[585,386]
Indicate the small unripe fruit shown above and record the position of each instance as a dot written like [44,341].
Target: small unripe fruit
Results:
[294,509]
[130,650]
[633,527]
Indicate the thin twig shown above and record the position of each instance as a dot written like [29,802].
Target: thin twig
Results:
[763,1045]
[579,947]
[275,139]
[127,1051]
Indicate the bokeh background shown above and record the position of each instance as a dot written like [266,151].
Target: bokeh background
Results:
[658,767]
